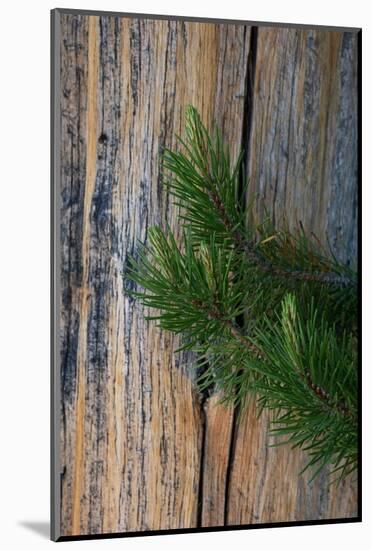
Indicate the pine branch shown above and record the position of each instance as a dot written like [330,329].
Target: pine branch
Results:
[209,196]
[198,297]
[309,379]
[297,349]
[215,313]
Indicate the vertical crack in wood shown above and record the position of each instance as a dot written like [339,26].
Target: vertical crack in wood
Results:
[245,147]
[200,495]
[247,123]
[248,111]
[232,447]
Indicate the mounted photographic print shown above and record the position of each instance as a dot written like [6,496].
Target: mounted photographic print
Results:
[205,281]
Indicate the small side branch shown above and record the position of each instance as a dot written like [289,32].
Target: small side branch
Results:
[266,266]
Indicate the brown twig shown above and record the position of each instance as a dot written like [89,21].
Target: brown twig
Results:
[324,396]
[268,267]
[214,313]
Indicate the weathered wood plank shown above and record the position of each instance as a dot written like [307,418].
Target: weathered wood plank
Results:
[74,80]
[302,164]
[132,427]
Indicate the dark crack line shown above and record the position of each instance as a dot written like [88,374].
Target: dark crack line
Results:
[231,455]
[200,496]
[245,146]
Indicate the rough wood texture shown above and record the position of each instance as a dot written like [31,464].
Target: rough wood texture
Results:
[132,420]
[303,155]
[216,461]
[140,448]
[265,485]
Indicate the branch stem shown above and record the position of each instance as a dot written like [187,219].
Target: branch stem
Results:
[265,265]
[215,313]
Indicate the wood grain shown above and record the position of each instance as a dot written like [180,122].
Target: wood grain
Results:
[219,421]
[141,449]
[303,154]
[266,485]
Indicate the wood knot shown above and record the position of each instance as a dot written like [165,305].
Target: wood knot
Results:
[103,139]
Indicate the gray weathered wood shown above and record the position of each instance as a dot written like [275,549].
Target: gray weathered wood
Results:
[303,156]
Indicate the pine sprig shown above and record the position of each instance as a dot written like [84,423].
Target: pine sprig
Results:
[206,185]
[296,350]
[308,377]
[192,289]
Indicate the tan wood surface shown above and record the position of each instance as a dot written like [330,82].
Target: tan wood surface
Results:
[141,449]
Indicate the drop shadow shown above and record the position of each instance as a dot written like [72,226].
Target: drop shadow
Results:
[42,528]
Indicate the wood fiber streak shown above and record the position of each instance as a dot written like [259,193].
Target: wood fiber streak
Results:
[303,155]
[132,422]
[74,81]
